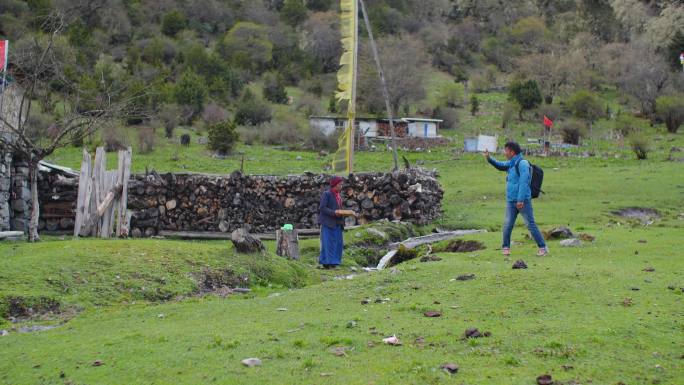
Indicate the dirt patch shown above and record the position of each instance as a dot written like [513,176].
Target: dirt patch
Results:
[643,214]
[461,246]
[210,281]
[30,307]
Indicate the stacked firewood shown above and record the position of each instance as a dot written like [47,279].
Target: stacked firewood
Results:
[194,202]
[57,194]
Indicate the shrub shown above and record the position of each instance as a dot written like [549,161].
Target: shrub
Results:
[252,111]
[448,115]
[509,110]
[222,136]
[474,105]
[279,133]
[572,132]
[169,114]
[213,113]
[585,105]
[146,140]
[640,145]
[480,83]
[671,110]
[113,139]
[626,125]
[274,89]
[293,12]
[451,95]
[309,105]
[320,141]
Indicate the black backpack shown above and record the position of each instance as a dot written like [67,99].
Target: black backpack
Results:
[536,180]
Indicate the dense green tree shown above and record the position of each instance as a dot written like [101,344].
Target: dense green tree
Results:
[252,110]
[526,94]
[191,90]
[293,12]
[222,137]
[248,46]
[585,105]
[274,89]
[319,5]
[173,22]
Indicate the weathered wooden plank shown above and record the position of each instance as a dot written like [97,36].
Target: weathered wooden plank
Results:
[123,216]
[83,179]
[226,236]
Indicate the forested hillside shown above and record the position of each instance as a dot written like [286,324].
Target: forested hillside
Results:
[199,63]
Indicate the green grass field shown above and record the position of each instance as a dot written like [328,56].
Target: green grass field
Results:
[584,315]
[608,312]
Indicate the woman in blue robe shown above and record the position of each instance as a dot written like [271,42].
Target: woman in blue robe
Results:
[331,219]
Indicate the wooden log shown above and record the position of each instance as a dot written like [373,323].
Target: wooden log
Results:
[215,235]
[287,244]
[244,242]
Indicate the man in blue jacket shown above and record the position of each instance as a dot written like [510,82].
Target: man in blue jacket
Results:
[518,196]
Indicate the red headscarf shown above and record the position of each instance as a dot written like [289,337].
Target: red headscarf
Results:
[334,181]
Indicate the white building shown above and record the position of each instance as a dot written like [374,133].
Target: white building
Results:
[376,127]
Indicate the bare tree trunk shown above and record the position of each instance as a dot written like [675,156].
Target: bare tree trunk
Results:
[35,209]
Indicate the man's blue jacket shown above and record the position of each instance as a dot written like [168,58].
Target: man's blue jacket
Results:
[517,185]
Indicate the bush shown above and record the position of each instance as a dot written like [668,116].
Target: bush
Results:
[640,145]
[222,137]
[585,105]
[480,83]
[146,140]
[572,132]
[671,110]
[213,113]
[451,95]
[626,125]
[274,89]
[113,139]
[448,115]
[252,111]
[309,105]
[285,131]
[169,114]
[509,110]
[320,141]
[474,105]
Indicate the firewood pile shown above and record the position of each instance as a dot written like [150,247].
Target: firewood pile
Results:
[196,202]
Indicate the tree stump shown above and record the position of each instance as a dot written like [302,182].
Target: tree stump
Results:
[244,242]
[287,244]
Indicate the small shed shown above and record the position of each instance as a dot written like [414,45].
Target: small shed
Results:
[422,127]
[327,125]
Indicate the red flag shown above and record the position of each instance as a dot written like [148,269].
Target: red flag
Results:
[548,122]
[4,50]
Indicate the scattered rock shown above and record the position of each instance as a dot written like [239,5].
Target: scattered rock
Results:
[461,246]
[567,367]
[560,232]
[586,237]
[450,368]
[519,264]
[671,287]
[649,269]
[432,314]
[627,302]
[572,242]
[642,241]
[380,234]
[473,333]
[544,379]
[393,340]
[430,258]
[635,288]
[36,328]
[643,214]
[281,309]
[465,277]
[4,333]
[351,324]
[251,362]
[339,351]
[98,363]
[365,301]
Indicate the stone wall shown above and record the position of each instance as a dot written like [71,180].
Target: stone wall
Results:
[5,187]
[20,196]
